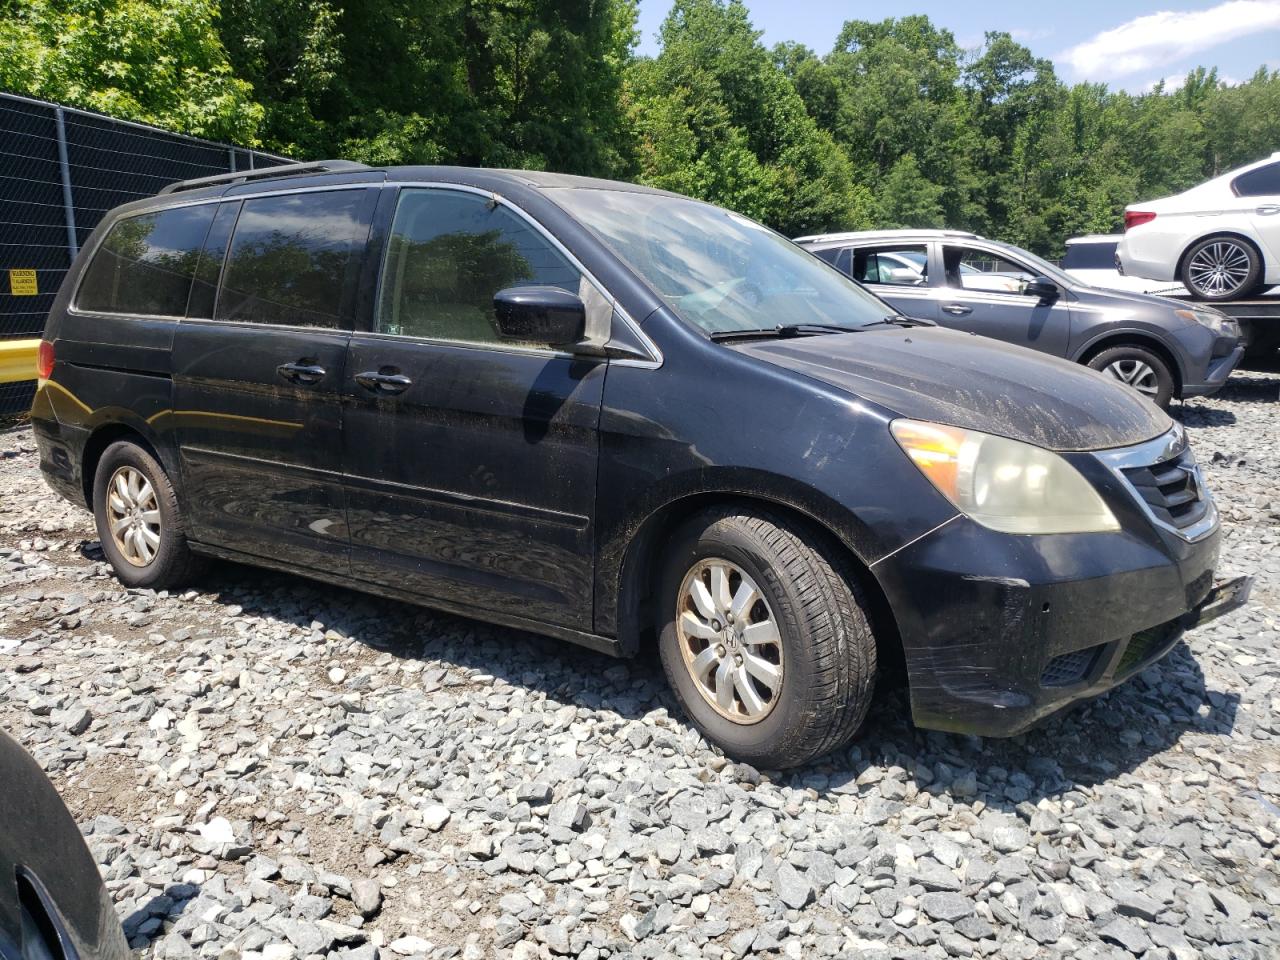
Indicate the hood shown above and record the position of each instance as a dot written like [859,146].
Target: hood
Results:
[929,373]
[1087,291]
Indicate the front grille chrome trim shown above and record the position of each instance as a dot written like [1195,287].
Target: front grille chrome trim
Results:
[1152,453]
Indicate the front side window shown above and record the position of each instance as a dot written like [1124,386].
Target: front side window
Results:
[971,268]
[1263,182]
[717,269]
[289,258]
[897,266]
[144,265]
[449,253]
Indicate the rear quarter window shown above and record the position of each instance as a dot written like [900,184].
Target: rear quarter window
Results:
[1263,182]
[144,265]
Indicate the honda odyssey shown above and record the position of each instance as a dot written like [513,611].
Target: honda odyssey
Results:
[620,417]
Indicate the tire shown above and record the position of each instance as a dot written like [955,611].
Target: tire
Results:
[1140,368]
[1222,268]
[825,648]
[151,552]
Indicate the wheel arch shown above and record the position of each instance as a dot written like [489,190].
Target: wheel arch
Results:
[641,566]
[102,437]
[1131,338]
[1226,234]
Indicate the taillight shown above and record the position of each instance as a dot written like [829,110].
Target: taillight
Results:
[1136,218]
[44,360]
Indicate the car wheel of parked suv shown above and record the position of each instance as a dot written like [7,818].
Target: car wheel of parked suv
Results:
[138,520]
[1140,368]
[765,639]
[1222,268]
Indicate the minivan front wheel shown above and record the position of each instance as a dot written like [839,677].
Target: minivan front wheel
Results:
[139,524]
[765,638]
[1137,367]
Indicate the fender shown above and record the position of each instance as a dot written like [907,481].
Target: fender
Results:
[1132,335]
[627,550]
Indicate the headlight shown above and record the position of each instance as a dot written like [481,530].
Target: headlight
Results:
[1003,484]
[1219,323]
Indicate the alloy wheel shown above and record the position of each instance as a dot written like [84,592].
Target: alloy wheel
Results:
[729,640]
[1136,374]
[1219,268]
[133,516]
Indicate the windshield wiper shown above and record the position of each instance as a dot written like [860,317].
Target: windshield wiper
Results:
[782,331]
[900,320]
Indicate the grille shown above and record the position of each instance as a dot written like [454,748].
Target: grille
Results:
[1068,668]
[1172,489]
[1143,647]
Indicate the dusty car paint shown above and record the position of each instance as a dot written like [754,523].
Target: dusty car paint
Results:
[538,491]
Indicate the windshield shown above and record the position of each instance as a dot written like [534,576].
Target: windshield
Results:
[718,269]
[1043,266]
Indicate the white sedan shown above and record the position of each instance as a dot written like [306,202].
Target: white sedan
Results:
[1221,239]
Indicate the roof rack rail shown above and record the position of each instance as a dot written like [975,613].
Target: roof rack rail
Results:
[264,173]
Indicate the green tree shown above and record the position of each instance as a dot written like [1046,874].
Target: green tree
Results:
[524,83]
[155,61]
[715,117]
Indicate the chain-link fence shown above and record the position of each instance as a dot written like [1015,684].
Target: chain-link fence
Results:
[61,169]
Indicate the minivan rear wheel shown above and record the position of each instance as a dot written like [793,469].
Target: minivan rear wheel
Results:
[1137,367]
[139,523]
[764,638]
[1222,268]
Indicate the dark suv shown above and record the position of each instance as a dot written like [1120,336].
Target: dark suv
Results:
[619,416]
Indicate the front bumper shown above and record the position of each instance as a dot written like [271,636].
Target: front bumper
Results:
[1216,374]
[1001,631]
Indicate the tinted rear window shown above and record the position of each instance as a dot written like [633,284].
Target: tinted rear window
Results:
[1263,182]
[289,258]
[145,263]
[1090,256]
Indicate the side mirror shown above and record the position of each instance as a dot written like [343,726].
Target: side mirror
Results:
[1042,288]
[540,314]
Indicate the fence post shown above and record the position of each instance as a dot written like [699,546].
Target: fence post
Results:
[231,152]
[69,210]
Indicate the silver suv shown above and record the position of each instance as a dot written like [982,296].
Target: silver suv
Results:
[1160,347]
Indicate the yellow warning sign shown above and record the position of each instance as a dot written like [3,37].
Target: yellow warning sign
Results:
[22,283]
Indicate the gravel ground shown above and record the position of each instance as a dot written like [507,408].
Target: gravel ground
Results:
[273,769]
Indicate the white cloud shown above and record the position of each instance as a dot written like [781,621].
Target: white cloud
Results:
[1151,41]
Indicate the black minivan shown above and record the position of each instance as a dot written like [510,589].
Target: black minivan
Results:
[619,416]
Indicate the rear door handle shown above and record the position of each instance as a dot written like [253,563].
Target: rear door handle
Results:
[301,371]
[957,309]
[1269,210]
[386,380]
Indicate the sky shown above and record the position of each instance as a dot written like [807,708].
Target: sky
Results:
[1127,45]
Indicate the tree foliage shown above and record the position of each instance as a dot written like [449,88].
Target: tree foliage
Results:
[154,61]
[895,125]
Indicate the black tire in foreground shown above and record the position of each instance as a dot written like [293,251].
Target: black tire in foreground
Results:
[139,521]
[1140,368]
[765,638]
[1222,268]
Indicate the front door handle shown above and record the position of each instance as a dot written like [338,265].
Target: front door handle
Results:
[301,371]
[957,309]
[1269,210]
[386,380]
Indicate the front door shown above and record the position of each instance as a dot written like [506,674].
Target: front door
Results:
[470,462]
[257,370]
[982,294]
